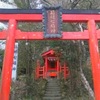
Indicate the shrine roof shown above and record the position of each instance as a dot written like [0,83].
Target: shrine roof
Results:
[49,52]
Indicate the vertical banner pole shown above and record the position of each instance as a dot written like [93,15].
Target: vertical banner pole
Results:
[94,54]
[8,61]
[15,62]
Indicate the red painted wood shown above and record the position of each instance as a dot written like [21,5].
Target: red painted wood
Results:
[8,61]
[47,53]
[80,17]
[47,70]
[58,65]
[94,53]
[22,17]
[39,17]
[65,36]
[75,35]
[46,67]
[39,35]
[43,72]
[53,74]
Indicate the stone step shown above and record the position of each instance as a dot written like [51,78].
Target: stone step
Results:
[52,86]
[53,83]
[52,92]
[53,89]
[52,95]
[51,98]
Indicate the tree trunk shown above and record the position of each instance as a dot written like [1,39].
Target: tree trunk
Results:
[87,86]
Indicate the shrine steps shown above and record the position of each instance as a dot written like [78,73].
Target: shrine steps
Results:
[53,91]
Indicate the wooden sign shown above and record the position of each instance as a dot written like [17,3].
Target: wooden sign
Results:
[52,22]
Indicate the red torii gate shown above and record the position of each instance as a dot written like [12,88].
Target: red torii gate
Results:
[13,34]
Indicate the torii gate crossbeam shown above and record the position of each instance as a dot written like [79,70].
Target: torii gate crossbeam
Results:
[12,34]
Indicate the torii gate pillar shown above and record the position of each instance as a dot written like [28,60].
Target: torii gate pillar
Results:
[94,54]
[8,61]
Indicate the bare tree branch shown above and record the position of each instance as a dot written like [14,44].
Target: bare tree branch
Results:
[46,3]
[74,4]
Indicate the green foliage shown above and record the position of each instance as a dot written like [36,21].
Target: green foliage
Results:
[88,4]
[1,58]
[23,4]
[33,91]
[30,26]
[88,73]
[73,89]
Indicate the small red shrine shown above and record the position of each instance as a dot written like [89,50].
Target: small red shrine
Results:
[52,67]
